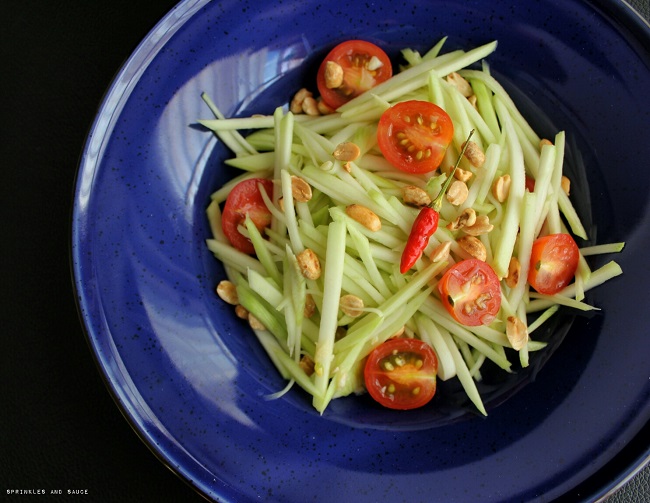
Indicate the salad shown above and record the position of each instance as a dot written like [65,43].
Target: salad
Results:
[397,227]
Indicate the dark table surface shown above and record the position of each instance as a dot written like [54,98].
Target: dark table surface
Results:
[59,428]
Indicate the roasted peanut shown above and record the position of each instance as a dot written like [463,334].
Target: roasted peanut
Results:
[227,291]
[457,193]
[514,270]
[309,264]
[323,107]
[441,252]
[310,106]
[351,305]
[300,189]
[501,188]
[480,226]
[254,323]
[296,103]
[466,218]
[472,100]
[241,312]
[310,306]
[516,332]
[463,175]
[306,364]
[473,246]
[333,75]
[346,151]
[474,154]
[364,216]
[460,83]
[415,196]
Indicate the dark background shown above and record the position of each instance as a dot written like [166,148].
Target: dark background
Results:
[59,427]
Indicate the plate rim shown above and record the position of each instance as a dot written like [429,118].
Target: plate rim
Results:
[146,49]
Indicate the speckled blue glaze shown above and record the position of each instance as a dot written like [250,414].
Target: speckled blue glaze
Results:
[190,376]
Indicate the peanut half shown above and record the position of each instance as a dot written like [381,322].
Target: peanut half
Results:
[227,291]
[441,252]
[309,264]
[351,305]
[466,218]
[516,332]
[333,75]
[415,196]
[501,188]
[364,216]
[310,306]
[307,364]
[298,99]
[473,246]
[514,270]
[463,175]
[300,189]
[457,193]
[241,312]
[474,154]
[480,226]
[323,107]
[310,106]
[254,323]
[346,151]
[460,83]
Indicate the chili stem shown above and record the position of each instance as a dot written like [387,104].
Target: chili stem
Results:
[437,202]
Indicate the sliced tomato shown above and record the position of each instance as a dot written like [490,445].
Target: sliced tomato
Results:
[471,292]
[245,199]
[364,66]
[401,373]
[553,263]
[414,135]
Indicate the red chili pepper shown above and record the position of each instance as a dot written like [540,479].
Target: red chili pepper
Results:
[426,223]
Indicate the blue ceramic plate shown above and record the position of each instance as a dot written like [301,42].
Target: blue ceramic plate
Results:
[191,377]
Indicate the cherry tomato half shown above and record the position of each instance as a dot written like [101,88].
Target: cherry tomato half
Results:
[401,373]
[471,292]
[414,135]
[243,199]
[553,263]
[364,66]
